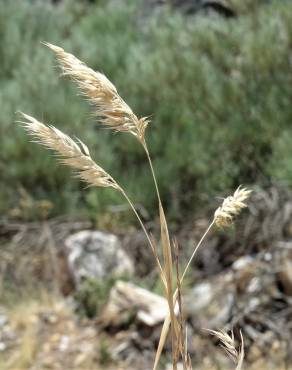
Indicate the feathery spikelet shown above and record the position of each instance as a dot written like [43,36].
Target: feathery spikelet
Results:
[110,108]
[231,207]
[228,344]
[72,154]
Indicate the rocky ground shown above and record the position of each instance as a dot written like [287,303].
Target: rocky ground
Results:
[241,281]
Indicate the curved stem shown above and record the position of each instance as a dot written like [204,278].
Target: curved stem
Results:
[145,232]
[152,171]
[191,259]
[195,250]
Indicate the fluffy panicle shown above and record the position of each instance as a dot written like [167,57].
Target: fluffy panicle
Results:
[73,154]
[109,107]
[231,207]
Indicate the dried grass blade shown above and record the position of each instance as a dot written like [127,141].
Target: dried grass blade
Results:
[163,335]
[162,340]
[155,253]
[167,256]
[181,347]
[241,354]
[165,328]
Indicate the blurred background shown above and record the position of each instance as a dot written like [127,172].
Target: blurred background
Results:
[215,78]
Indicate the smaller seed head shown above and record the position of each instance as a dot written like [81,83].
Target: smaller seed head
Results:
[231,207]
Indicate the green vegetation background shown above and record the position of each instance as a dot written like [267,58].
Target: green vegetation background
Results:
[219,93]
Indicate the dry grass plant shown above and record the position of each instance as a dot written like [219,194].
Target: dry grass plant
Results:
[112,112]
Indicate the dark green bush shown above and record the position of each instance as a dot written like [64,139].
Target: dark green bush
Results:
[219,91]
[92,296]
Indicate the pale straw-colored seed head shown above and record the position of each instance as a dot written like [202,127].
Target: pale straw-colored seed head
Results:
[72,153]
[110,109]
[231,207]
[228,343]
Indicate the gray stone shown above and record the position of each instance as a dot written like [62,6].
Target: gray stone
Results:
[209,303]
[200,297]
[95,254]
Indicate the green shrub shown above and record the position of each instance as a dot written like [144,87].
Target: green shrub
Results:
[220,89]
[93,295]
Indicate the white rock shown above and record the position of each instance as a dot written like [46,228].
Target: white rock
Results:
[96,254]
[242,262]
[127,299]
[3,346]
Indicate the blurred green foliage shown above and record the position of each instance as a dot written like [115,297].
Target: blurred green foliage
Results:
[219,93]
[93,295]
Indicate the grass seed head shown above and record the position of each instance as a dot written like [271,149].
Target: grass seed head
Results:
[231,207]
[110,109]
[228,343]
[72,153]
